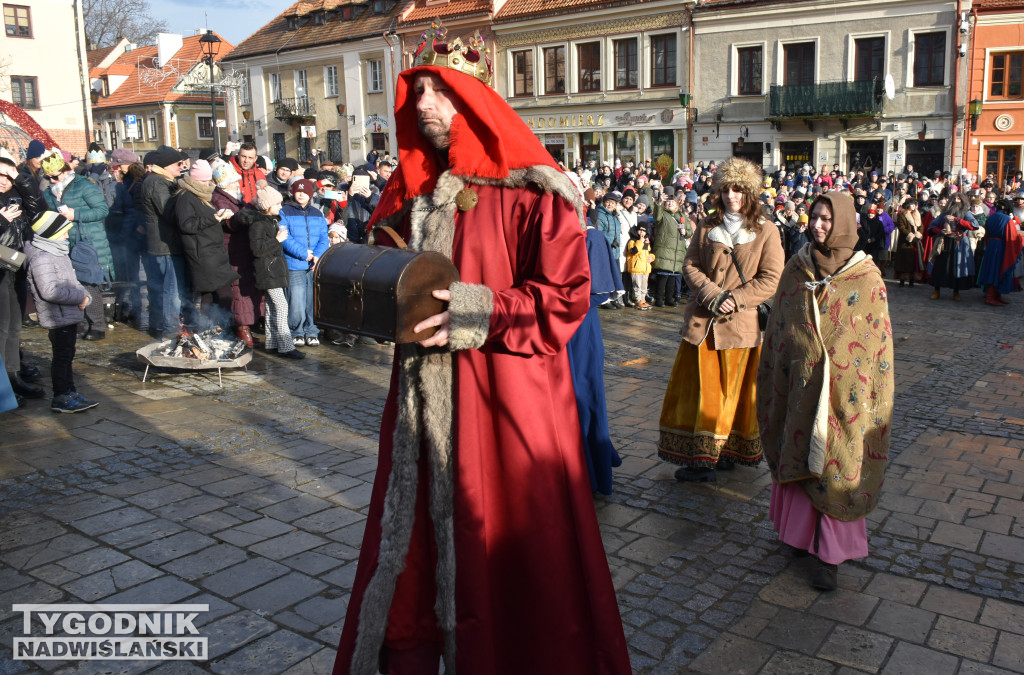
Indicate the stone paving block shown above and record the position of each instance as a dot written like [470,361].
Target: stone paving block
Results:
[209,523]
[54,549]
[272,654]
[143,533]
[856,648]
[164,550]
[280,593]
[789,590]
[33,592]
[93,587]
[846,606]
[236,485]
[329,520]
[93,560]
[1001,546]
[957,536]
[941,511]
[31,533]
[322,611]
[325,486]
[232,632]
[205,562]
[932,492]
[187,508]
[952,603]
[902,621]
[321,663]
[1003,615]
[53,574]
[244,577]
[111,521]
[287,545]
[662,527]
[1002,489]
[908,659]
[648,550]
[975,668]
[82,508]
[312,563]
[732,654]
[208,476]
[898,589]
[164,496]
[168,589]
[272,494]
[962,638]
[134,487]
[343,577]
[796,631]
[788,663]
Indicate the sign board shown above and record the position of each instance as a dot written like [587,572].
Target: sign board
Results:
[307,132]
[222,123]
[896,158]
[822,158]
[554,139]
[131,126]
[376,123]
[356,143]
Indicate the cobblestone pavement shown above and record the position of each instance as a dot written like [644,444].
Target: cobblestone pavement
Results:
[252,499]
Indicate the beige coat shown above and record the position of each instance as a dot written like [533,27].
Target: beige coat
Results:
[709,271]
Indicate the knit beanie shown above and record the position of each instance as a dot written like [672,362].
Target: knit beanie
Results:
[304,185]
[224,174]
[201,170]
[266,197]
[35,149]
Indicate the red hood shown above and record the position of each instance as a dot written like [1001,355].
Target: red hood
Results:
[488,139]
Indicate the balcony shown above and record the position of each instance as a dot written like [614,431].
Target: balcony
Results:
[294,109]
[826,99]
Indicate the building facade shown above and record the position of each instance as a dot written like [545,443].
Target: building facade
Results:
[599,82]
[164,89]
[54,90]
[995,137]
[320,77]
[863,85]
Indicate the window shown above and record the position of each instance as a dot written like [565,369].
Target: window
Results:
[799,64]
[663,60]
[1005,75]
[24,92]
[929,59]
[275,87]
[869,59]
[301,91]
[750,70]
[17,22]
[330,81]
[554,70]
[589,56]
[522,73]
[205,126]
[625,63]
[375,76]
[151,129]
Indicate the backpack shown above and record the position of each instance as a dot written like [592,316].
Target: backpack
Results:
[86,261]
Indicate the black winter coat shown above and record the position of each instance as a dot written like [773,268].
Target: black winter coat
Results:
[271,267]
[162,235]
[20,231]
[202,240]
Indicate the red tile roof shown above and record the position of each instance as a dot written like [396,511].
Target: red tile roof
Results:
[420,11]
[94,56]
[134,64]
[519,9]
[986,5]
[276,36]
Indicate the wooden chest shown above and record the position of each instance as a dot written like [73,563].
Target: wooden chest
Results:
[379,292]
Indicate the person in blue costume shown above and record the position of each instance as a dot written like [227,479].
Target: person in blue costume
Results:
[1002,249]
[586,363]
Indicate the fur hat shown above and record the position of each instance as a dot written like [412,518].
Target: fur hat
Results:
[740,172]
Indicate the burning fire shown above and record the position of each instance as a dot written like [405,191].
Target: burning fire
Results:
[204,345]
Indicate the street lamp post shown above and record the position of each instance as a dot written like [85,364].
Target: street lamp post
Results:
[210,44]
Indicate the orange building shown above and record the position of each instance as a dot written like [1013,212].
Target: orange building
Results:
[995,135]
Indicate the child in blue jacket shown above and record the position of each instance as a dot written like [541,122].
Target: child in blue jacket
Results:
[307,240]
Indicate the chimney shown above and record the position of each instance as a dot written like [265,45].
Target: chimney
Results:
[167,45]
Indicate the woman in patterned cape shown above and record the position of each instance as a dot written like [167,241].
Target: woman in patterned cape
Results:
[825,392]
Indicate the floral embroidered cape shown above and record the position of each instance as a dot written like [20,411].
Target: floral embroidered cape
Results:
[825,422]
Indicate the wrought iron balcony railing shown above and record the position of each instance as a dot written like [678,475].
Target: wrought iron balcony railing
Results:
[826,99]
[294,108]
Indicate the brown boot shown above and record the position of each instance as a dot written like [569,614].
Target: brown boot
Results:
[992,297]
[935,295]
[956,296]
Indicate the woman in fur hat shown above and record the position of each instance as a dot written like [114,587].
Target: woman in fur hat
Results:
[732,265]
[825,393]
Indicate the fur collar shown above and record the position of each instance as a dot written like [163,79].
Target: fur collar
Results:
[721,235]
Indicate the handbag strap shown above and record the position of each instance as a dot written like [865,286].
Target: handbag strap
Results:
[743,279]
[388,230]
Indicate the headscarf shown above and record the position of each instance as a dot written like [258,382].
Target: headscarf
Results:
[830,255]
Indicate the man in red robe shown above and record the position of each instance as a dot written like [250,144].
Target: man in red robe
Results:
[482,545]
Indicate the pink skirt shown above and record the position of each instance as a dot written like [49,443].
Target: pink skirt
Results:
[796,519]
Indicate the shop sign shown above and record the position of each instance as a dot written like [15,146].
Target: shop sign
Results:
[554,139]
[630,120]
[563,121]
[376,123]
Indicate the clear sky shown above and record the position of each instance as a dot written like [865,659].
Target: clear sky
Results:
[234,20]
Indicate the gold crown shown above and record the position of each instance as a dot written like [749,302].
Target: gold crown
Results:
[434,51]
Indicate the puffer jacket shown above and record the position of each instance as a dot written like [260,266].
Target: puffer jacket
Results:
[709,271]
[669,242]
[158,193]
[56,290]
[20,230]
[638,254]
[307,231]
[270,265]
[90,215]
[202,238]
[608,224]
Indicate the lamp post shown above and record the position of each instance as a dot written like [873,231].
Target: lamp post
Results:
[210,44]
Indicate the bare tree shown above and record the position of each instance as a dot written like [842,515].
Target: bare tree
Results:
[107,21]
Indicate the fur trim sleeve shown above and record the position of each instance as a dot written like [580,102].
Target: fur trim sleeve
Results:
[470,309]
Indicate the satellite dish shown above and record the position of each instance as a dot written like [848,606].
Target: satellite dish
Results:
[890,87]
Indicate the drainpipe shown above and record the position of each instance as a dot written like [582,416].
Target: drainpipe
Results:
[86,86]
[689,85]
[970,91]
[956,86]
